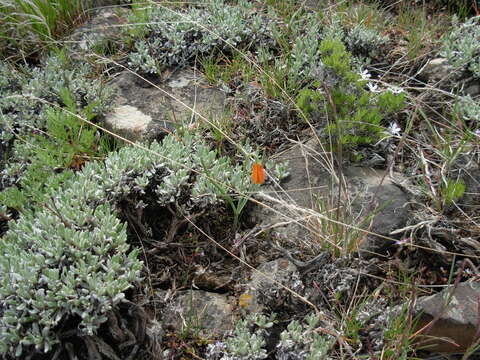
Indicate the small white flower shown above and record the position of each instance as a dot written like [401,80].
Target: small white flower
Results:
[373,88]
[394,129]
[365,75]
[395,89]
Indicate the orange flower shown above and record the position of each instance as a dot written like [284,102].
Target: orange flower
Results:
[258,173]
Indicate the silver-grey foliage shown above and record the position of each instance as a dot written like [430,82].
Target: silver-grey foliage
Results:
[461,46]
[176,37]
[299,341]
[469,110]
[365,42]
[70,258]
[302,341]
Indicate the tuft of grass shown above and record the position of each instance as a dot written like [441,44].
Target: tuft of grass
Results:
[32,25]
[420,30]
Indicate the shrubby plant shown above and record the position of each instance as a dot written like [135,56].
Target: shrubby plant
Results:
[66,144]
[247,341]
[300,341]
[468,110]
[355,114]
[42,139]
[365,42]
[66,262]
[68,259]
[175,37]
[461,46]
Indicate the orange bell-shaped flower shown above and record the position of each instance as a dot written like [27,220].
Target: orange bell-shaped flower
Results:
[258,173]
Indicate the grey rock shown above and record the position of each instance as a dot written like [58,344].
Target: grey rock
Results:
[264,291]
[471,198]
[372,202]
[208,313]
[277,271]
[472,88]
[455,316]
[382,205]
[102,29]
[158,106]
[437,70]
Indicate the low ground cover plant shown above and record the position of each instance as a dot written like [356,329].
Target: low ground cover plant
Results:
[174,37]
[41,127]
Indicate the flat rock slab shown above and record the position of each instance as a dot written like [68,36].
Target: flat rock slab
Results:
[371,202]
[458,318]
[196,310]
[146,110]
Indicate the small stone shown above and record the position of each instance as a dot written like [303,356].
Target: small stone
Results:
[263,291]
[458,318]
[473,89]
[470,201]
[206,312]
[437,70]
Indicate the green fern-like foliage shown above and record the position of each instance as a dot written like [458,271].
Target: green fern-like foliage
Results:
[66,143]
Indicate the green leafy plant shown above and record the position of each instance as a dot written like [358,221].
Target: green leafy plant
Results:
[239,181]
[451,191]
[398,343]
[67,143]
[354,114]
[192,325]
